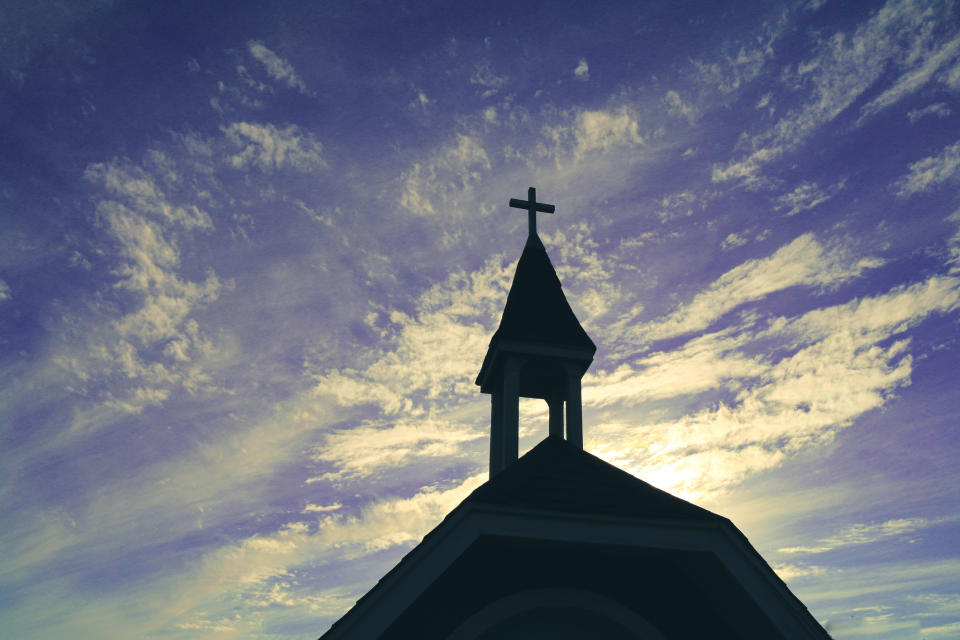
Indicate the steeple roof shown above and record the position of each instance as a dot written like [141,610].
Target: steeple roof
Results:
[537,311]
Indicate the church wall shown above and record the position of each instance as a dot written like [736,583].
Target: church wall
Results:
[656,586]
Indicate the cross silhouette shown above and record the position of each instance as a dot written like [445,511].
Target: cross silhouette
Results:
[532,206]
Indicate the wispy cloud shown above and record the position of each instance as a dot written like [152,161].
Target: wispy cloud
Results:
[277,67]
[788,572]
[939,109]
[705,363]
[582,70]
[321,508]
[595,132]
[941,631]
[732,241]
[864,534]
[271,148]
[802,262]
[676,106]
[807,196]
[455,317]
[368,449]
[931,171]
[844,67]
[923,63]
[441,182]
[733,70]
[953,245]
[818,373]
[247,571]
[485,77]
[157,344]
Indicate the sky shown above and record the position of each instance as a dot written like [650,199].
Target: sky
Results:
[251,256]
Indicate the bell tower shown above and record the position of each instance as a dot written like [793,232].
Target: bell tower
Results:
[539,351]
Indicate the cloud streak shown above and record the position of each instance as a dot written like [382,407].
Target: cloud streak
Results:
[802,262]
[277,67]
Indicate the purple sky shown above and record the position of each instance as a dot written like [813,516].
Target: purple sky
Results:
[250,261]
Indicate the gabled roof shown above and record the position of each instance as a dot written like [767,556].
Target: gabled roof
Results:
[534,502]
[536,309]
[557,476]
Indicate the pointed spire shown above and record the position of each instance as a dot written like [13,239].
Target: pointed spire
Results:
[537,311]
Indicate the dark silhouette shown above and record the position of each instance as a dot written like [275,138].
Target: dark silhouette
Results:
[560,544]
[539,351]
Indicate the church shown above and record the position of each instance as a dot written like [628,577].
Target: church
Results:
[560,544]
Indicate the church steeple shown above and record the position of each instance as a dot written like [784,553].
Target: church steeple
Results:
[539,351]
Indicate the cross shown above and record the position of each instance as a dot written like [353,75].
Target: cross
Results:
[532,206]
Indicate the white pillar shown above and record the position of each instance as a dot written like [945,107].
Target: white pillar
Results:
[574,408]
[511,410]
[555,402]
[496,432]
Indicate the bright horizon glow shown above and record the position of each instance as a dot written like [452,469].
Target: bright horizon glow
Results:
[250,262]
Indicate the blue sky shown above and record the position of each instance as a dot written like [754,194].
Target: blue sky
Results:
[251,257]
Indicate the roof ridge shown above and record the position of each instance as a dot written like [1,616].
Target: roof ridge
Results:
[556,475]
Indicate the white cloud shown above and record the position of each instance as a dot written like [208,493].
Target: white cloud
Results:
[789,572]
[4,291]
[676,205]
[484,76]
[600,130]
[277,67]
[931,171]
[953,245]
[807,196]
[678,108]
[938,602]
[592,133]
[734,71]
[952,77]
[705,363]
[919,74]
[948,630]
[814,375]
[156,345]
[864,534]
[368,449]
[733,240]
[844,67]
[939,109]
[270,148]
[320,508]
[143,192]
[245,572]
[455,318]
[766,102]
[582,71]
[586,275]
[421,101]
[443,181]
[802,262]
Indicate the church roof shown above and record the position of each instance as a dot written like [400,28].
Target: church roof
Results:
[702,553]
[536,309]
[557,476]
